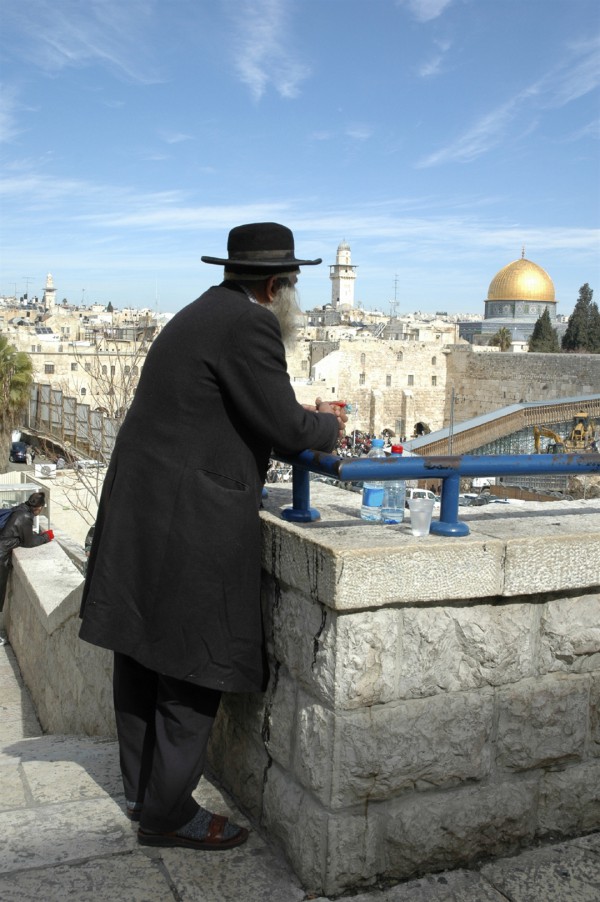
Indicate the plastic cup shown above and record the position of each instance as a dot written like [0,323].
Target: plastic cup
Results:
[421,510]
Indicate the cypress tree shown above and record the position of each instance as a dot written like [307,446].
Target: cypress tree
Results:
[580,322]
[544,339]
[594,329]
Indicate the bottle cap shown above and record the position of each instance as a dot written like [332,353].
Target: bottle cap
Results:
[397,449]
[377,443]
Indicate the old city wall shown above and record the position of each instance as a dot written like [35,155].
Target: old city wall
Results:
[390,384]
[485,382]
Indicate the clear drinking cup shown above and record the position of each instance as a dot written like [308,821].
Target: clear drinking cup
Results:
[421,510]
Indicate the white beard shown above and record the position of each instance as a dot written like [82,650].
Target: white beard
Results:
[286,308]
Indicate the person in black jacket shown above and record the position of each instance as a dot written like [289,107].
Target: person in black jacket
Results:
[18,531]
[176,595]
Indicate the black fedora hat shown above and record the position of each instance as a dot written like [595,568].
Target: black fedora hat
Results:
[260,247]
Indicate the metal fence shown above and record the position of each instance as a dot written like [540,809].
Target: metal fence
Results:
[448,470]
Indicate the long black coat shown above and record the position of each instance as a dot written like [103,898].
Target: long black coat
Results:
[174,571]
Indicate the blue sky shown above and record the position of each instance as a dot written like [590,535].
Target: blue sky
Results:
[437,137]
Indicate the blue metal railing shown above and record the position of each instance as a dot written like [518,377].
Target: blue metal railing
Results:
[446,469]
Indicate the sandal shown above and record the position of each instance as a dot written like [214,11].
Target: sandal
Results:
[213,840]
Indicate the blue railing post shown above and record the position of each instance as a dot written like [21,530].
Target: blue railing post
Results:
[301,512]
[449,524]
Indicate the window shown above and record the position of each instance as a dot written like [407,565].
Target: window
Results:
[48,368]
[135,370]
[433,361]
[411,380]
[362,359]
[399,356]
[73,367]
[127,370]
[361,379]
[434,380]
[388,380]
[333,390]
[113,370]
[88,367]
[104,370]
[83,391]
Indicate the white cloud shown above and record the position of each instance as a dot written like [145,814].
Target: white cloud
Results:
[174,137]
[8,120]
[263,47]
[435,65]
[425,10]
[358,131]
[570,79]
[75,34]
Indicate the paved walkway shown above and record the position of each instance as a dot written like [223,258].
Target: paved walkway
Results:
[63,835]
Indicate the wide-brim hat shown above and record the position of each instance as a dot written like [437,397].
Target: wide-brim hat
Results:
[261,247]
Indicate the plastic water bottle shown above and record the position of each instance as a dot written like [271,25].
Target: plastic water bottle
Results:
[394,493]
[372,496]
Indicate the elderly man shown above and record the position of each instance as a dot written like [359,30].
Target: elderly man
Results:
[173,583]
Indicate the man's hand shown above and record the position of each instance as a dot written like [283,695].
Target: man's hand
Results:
[338,409]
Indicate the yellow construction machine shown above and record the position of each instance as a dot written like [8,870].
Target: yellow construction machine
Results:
[582,437]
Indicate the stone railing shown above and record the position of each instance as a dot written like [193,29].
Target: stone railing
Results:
[432,701]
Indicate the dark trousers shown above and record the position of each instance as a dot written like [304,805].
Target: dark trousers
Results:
[163,726]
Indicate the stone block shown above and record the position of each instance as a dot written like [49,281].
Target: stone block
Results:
[569,800]
[432,831]
[570,634]
[369,565]
[542,722]
[328,852]
[545,559]
[378,752]
[281,716]
[236,753]
[454,648]
[346,661]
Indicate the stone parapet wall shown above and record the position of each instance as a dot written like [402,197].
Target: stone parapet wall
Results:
[432,701]
[69,680]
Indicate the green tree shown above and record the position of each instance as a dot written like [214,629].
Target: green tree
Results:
[583,327]
[594,329]
[501,339]
[16,376]
[544,338]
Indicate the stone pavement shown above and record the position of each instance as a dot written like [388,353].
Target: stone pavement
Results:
[64,836]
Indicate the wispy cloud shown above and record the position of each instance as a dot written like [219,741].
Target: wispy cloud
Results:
[359,131]
[8,110]
[425,10]
[174,137]
[75,34]
[263,47]
[575,76]
[435,65]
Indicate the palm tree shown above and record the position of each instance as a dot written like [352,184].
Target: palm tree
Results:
[16,376]
[502,339]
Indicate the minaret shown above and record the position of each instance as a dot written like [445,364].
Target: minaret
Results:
[342,275]
[49,299]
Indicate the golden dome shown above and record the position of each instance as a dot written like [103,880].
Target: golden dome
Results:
[521,280]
